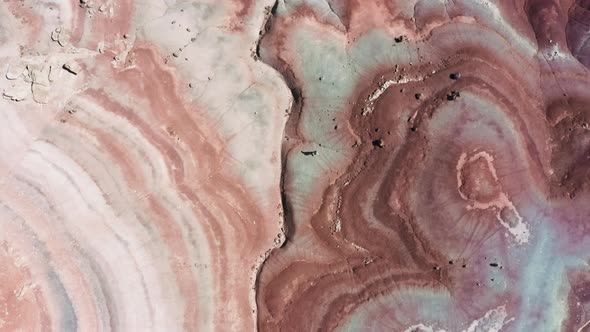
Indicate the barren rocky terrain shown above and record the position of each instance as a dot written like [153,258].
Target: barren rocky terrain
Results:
[295,165]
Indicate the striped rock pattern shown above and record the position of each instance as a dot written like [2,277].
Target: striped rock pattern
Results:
[295,165]
[437,166]
[139,165]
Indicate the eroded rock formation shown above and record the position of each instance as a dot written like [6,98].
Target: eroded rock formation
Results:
[140,165]
[295,165]
[450,186]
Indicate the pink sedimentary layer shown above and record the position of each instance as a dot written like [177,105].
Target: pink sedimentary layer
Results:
[140,165]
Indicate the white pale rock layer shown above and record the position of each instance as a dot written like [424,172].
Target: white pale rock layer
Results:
[139,164]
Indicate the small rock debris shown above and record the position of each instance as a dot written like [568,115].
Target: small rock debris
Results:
[14,72]
[15,95]
[55,34]
[61,36]
[455,76]
[72,67]
[399,39]
[453,95]
[494,264]
[310,153]
[418,96]
[378,143]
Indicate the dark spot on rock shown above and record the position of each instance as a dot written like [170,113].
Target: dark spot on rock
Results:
[455,76]
[453,95]
[310,153]
[413,129]
[418,96]
[72,69]
[399,39]
[494,264]
[296,94]
[378,143]
[451,262]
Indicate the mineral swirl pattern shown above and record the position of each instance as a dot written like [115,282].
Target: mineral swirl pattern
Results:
[140,153]
[295,165]
[448,190]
